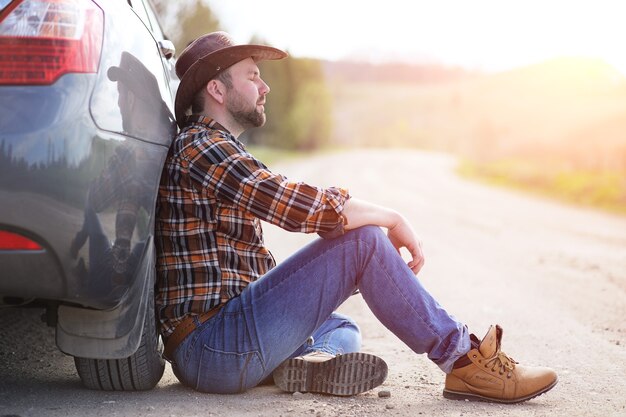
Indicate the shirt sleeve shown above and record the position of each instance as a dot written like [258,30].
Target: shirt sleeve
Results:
[235,176]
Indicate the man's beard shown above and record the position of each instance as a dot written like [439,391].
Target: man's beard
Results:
[245,116]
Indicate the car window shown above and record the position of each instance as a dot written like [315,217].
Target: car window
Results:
[132,95]
[140,9]
[154,20]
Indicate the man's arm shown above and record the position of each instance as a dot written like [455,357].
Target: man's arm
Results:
[221,169]
[361,213]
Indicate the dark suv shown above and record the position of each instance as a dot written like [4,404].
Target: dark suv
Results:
[86,92]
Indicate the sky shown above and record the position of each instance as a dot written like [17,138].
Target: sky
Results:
[491,35]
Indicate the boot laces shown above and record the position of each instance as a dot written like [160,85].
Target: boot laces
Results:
[502,363]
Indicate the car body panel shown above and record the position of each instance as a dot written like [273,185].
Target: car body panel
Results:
[80,162]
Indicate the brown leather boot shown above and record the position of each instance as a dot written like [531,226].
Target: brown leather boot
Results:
[495,377]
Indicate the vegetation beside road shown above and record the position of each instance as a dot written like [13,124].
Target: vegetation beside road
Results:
[554,128]
[603,190]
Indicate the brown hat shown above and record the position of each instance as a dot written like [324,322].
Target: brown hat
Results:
[205,58]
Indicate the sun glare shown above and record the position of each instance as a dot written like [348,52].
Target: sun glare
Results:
[482,34]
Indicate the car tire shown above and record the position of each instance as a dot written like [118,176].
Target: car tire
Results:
[139,372]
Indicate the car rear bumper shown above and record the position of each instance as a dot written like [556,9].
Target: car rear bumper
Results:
[22,272]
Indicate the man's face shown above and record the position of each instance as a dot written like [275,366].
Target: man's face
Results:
[246,99]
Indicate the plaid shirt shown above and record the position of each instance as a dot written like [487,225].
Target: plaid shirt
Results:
[208,235]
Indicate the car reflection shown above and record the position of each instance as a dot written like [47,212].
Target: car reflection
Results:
[125,185]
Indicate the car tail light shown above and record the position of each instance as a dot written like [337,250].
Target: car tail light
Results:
[40,40]
[13,241]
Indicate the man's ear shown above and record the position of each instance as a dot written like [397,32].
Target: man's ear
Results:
[216,90]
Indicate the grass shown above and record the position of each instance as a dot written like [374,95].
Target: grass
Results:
[270,156]
[603,190]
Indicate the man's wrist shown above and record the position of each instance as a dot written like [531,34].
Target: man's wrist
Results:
[395,218]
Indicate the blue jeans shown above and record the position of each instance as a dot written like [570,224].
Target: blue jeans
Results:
[273,317]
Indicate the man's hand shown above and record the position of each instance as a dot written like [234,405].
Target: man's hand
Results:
[402,235]
[360,213]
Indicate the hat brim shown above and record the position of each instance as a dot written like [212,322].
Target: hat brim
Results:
[209,66]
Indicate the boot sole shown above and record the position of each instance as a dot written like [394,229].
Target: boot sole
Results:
[343,375]
[456,395]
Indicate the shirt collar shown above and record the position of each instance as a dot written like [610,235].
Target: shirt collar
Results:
[204,120]
[210,123]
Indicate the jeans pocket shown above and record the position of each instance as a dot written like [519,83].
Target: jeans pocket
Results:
[228,372]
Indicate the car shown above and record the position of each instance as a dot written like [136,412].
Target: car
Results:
[86,120]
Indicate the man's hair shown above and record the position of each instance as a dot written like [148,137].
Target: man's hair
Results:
[197,104]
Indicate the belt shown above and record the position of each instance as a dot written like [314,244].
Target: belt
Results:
[184,329]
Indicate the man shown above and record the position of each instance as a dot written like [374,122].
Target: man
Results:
[230,317]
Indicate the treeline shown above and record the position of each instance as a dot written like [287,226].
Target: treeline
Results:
[394,72]
[54,176]
[299,105]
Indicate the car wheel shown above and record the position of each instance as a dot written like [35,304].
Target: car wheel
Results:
[140,371]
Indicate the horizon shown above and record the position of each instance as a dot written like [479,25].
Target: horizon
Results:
[573,61]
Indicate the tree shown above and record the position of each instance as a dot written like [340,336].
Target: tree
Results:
[184,21]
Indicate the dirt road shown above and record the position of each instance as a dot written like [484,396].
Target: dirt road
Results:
[553,276]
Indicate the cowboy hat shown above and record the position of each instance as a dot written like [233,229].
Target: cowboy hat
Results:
[205,58]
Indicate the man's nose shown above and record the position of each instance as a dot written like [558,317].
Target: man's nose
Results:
[264,88]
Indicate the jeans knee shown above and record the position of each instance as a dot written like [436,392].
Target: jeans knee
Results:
[368,233]
[344,337]
[345,321]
